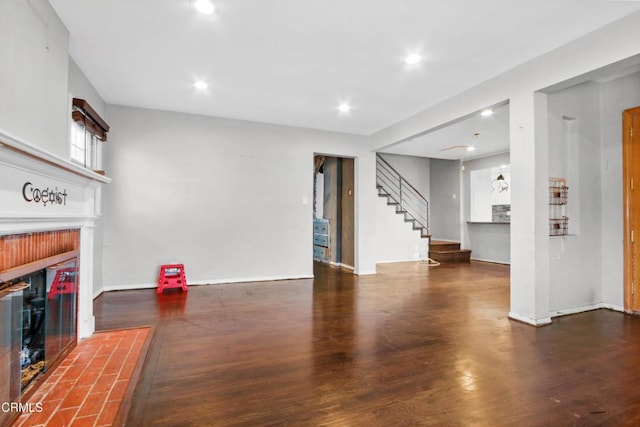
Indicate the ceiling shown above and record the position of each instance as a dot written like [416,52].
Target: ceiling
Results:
[486,134]
[292,62]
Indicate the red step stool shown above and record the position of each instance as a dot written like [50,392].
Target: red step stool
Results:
[64,282]
[172,276]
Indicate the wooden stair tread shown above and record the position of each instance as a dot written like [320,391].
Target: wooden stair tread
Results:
[439,245]
[451,251]
[448,252]
[442,242]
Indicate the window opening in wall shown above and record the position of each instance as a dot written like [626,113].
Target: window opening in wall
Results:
[88,132]
[490,190]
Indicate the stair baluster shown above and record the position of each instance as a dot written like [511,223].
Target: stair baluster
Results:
[404,196]
[415,209]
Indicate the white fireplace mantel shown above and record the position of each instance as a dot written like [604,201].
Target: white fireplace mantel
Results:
[40,191]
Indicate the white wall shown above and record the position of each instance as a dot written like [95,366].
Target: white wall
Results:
[529,142]
[81,87]
[224,197]
[396,240]
[445,199]
[488,242]
[35,114]
[415,170]
[616,96]
[575,267]
[34,54]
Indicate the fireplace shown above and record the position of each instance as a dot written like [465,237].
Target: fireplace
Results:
[39,310]
[38,307]
[50,209]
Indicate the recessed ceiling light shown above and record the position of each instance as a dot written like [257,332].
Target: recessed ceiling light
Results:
[486,113]
[412,59]
[344,107]
[200,85]
[204,6]
[471,148]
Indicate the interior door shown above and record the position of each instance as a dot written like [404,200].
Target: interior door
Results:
[631,194]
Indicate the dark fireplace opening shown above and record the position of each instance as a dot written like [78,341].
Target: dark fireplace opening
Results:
[32,350]
[38,309]
[44,302]
[48,313]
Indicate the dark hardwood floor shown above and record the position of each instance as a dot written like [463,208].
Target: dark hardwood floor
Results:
[413,345]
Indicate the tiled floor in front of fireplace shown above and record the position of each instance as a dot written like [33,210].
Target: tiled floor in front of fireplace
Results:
[91,387]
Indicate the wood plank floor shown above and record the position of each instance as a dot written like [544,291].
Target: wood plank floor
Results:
[412,345]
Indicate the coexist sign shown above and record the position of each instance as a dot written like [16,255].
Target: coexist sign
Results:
[46,196]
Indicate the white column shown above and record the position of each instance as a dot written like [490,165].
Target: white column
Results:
[86,320]
[364,212]
[529,209]
[464,207]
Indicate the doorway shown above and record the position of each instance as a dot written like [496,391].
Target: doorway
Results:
[333,207]
[631,180]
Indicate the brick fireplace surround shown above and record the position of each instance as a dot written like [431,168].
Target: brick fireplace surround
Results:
[49,208]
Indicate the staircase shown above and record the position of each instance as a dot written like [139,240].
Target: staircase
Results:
[448,252]
[400,193]
[414,208]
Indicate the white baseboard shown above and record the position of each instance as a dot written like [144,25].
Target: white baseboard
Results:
[342,265]
[97,294]
[365,272]
[565,312]
[529,321]
[612,307]
[574,310]
[490,260]
[590,307]
[129,287]
[401,260]
[249,279]
[348,267]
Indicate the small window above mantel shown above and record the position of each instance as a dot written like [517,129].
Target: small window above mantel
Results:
[88,132]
